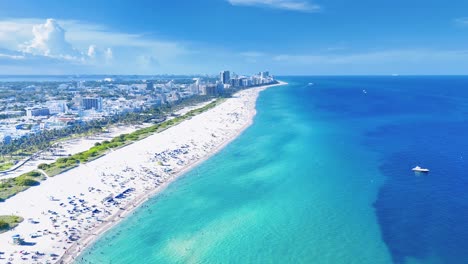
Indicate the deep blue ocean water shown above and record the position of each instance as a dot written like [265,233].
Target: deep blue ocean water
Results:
[322,176]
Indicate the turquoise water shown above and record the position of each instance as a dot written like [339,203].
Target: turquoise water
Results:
[292,189]
[322,176]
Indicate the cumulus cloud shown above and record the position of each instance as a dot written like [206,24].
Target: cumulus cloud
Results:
[293,5]
[80,47]
[92,51]
[96,54]
[49,40]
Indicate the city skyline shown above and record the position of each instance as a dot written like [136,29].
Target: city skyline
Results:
[68,103]
[288,37]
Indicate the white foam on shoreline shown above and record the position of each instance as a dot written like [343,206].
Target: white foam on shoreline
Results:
[80,191]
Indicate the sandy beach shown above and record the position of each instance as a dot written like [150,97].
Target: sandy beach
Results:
[76,145]
[67,213]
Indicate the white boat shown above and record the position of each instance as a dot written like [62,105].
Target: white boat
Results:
[419,169]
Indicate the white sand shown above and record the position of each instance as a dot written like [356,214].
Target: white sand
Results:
[76,145]
[71,146]
[80,191]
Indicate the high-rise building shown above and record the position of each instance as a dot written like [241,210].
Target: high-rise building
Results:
[88,103]
[224,77]
[209,89]
[264,74]
[37,111]
[219,88]
[194,88]
[244,82]
[149,86]
[235,82]
[57,107]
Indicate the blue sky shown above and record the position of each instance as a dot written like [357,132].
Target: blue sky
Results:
[300,37]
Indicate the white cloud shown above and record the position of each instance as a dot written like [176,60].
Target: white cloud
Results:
[92,51]
[462,21]
[293,5]
[92,47]
[49,40]
[98,55]
[252,54]
[376,57]
[148,62]
[13,57]
[109,55]
[15,32]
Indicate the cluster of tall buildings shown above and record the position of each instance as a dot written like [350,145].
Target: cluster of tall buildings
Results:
[239,81]
[207,88]
[107,98]
[60,107]
[228,80]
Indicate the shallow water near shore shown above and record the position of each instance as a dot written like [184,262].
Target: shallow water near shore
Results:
[322,176]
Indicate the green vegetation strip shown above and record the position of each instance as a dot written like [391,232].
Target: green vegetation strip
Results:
[12,186]
[100,149]
[8,222]
[6,166]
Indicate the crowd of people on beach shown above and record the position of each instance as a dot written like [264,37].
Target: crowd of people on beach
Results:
[119,188]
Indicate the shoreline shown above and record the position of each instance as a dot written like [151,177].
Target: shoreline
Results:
[76,250]
[209,148]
